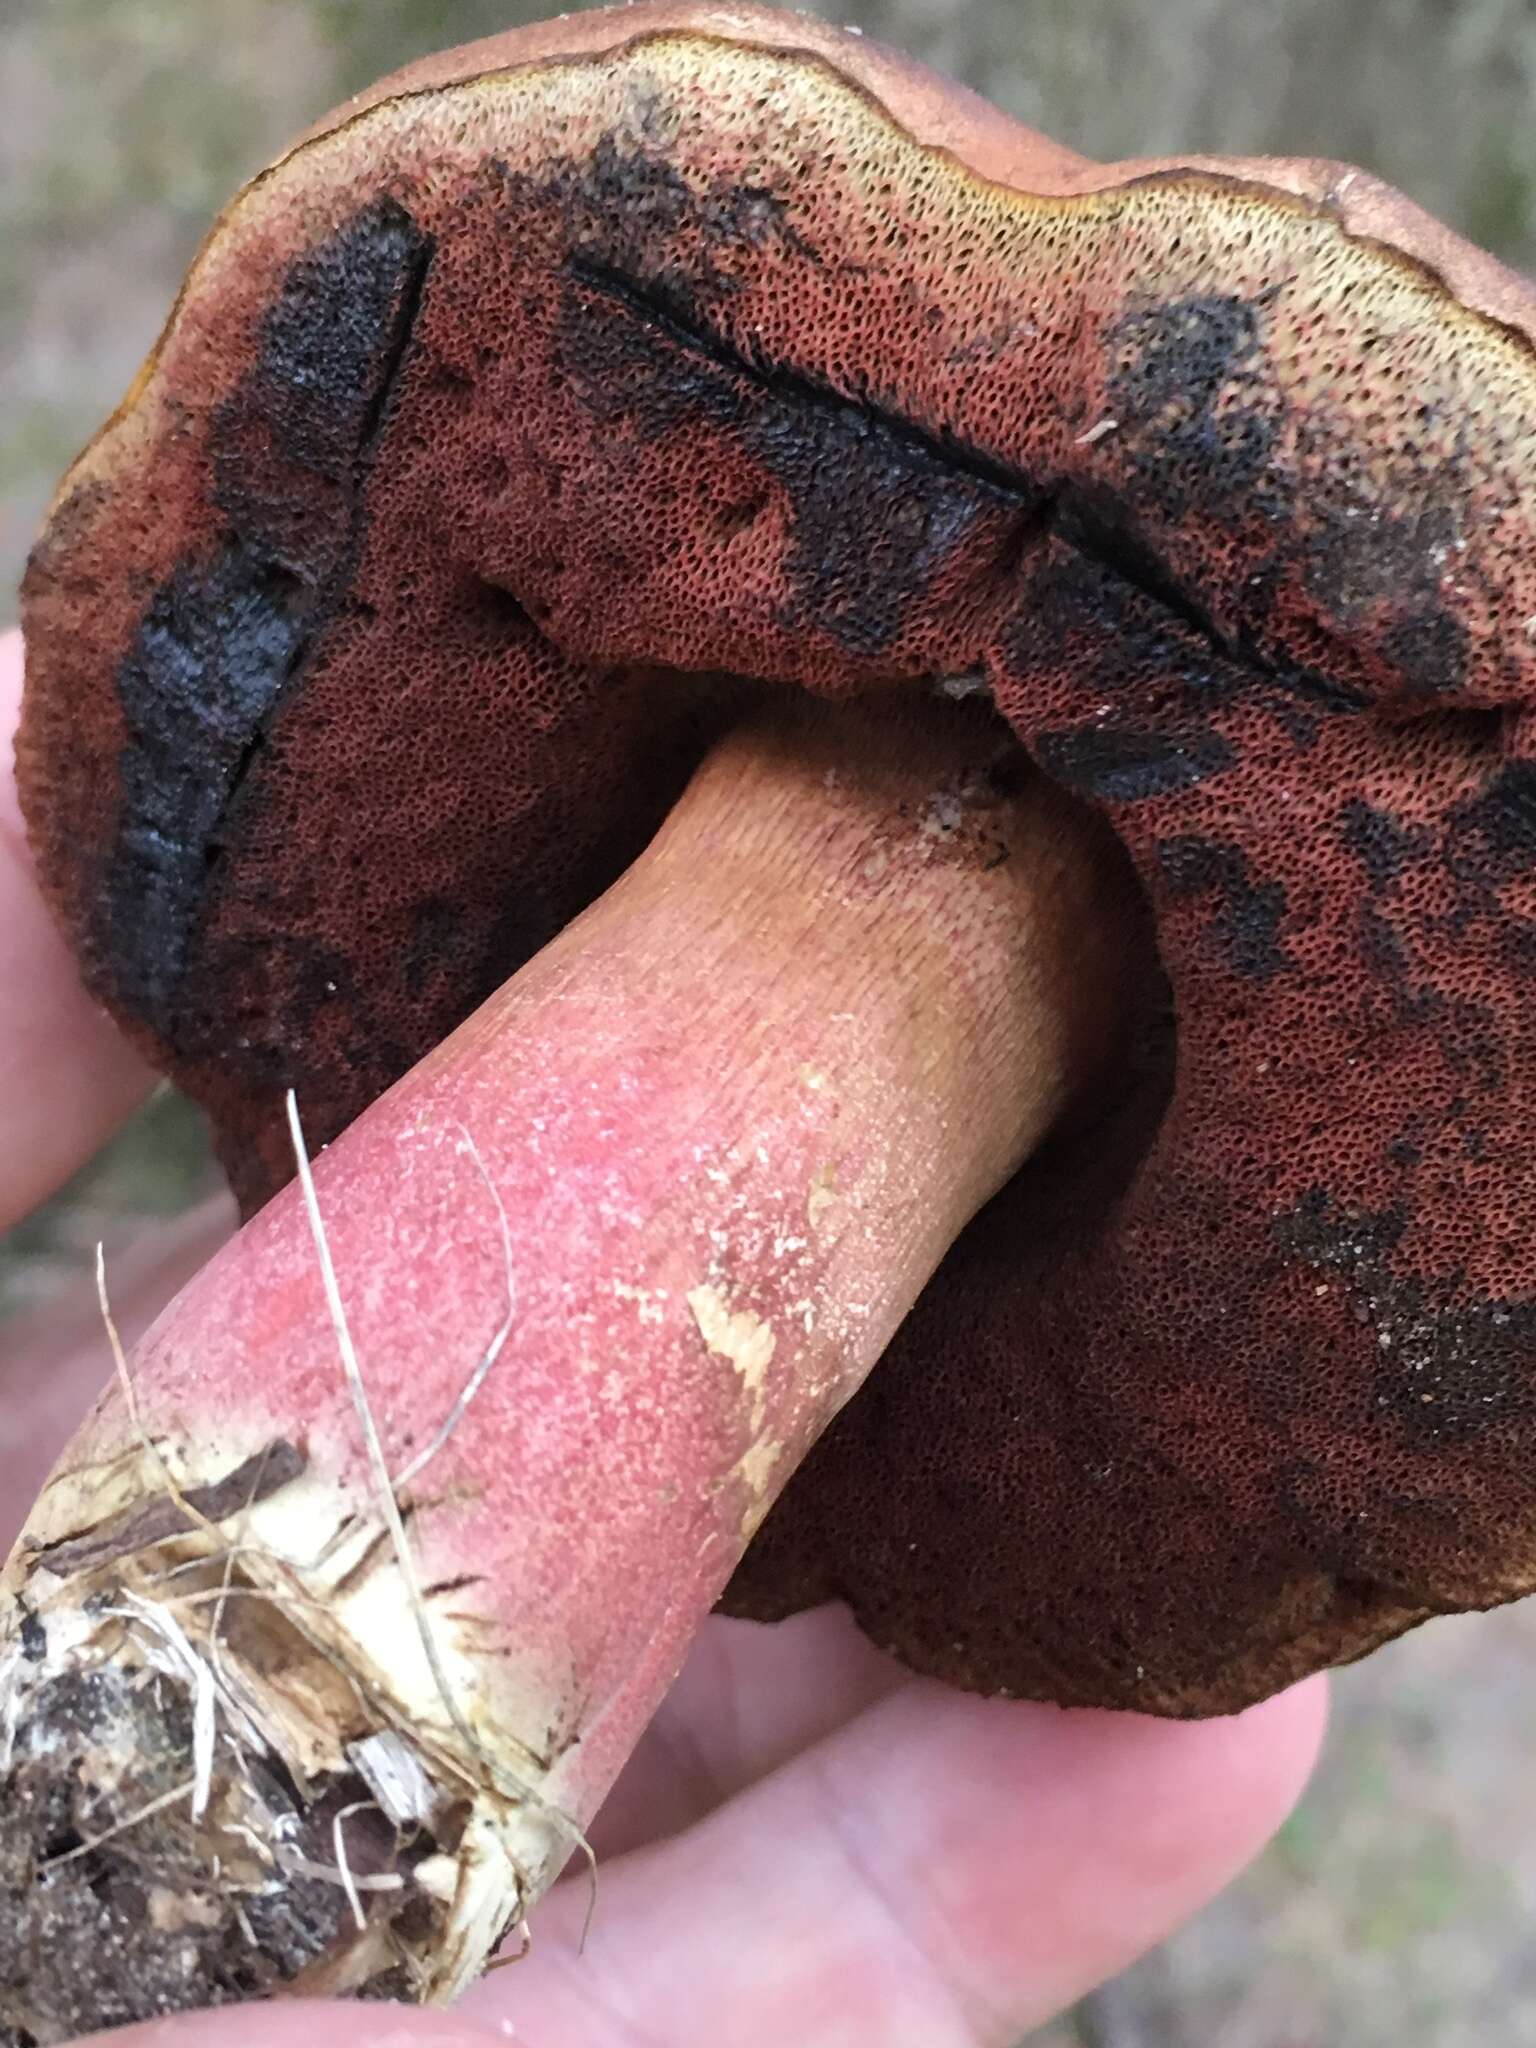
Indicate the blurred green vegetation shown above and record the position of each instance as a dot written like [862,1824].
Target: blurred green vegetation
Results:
[158,1165]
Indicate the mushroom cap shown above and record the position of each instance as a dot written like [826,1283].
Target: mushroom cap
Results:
[563,395]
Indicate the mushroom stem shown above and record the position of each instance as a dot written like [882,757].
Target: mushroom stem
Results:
[611,1258]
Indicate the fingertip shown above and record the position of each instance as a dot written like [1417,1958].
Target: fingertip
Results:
[1164,1812]
[1278,1743]
[1052,1848]
[67,1076]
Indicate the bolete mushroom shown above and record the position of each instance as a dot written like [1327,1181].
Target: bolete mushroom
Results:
[572,410]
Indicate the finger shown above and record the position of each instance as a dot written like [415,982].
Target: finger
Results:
[305,2025]
[747,1700]
[67,1078]
[945,1873]
[54,1363]
[988,1940]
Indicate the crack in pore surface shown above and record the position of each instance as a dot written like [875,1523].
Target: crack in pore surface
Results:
[1062,511]
[656,307]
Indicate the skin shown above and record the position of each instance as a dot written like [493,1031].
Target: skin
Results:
[48,1027]
[1049,1848]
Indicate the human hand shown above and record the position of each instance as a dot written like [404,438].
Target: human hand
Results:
[810,1846]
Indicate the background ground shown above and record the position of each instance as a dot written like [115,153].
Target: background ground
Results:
[1393,1912]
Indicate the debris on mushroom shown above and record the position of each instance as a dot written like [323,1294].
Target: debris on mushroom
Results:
[550,422]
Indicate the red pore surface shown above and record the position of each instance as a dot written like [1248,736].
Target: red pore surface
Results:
[516,415]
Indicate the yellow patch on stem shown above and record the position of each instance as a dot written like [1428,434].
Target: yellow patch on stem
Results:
[738,1336]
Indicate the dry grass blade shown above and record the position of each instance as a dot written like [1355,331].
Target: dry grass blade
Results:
[388,1505]
[493,1351]
[131,1820]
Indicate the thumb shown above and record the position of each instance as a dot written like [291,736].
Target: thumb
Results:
[304,2023]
